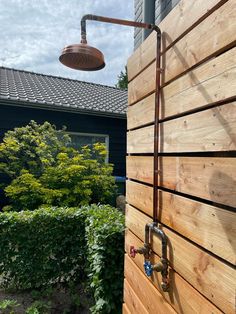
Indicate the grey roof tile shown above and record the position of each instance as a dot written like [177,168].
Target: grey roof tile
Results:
[34,88]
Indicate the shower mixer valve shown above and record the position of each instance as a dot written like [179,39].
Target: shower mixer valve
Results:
[145,250]
[161,266]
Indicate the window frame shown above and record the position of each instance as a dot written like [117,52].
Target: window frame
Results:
[106,136]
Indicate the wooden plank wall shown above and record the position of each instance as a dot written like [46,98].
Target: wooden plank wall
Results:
[197,161]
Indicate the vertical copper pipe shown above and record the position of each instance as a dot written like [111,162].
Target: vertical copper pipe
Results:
[156,128]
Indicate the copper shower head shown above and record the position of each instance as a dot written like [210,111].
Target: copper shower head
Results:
[86,58]
[82,57]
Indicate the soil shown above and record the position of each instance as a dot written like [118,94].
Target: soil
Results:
[60,301]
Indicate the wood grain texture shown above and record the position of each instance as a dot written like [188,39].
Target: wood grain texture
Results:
[150,297]
[143,84]
[140,168]
[202,95]
[130,297]
[125,309]
[211,227]
[209,130]
[216,33]
[182,296]
[140,140]
[174,25]
[210,178]
[210,276]
[209,83]
[141,113]
[211,36]
[140,196]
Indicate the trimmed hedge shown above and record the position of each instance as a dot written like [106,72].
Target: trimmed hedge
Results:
[40,247]
[65,245]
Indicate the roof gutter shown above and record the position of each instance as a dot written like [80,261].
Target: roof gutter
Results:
[45,106]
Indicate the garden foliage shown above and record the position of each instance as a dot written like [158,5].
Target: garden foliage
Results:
[52,246]
[44,170]
[41,246]
[105,241]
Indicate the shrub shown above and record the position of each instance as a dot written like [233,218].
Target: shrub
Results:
[65,245]
[105,240]
[31,147]
[45,170]
[41,247]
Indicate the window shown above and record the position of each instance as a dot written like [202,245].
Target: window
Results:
[81,139]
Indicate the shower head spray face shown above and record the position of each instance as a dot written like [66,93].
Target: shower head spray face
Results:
[82,57]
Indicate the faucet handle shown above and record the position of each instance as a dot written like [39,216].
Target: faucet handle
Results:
[148,268]
[132,251]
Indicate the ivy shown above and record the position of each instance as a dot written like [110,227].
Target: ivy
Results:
[105,240]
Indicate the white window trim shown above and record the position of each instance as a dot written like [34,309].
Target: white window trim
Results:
[94,135]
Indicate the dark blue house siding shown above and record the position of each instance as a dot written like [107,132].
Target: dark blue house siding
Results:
[150,11]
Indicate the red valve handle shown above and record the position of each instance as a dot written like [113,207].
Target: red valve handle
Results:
[132,251]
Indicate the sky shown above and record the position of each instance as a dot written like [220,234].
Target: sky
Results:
[33,33]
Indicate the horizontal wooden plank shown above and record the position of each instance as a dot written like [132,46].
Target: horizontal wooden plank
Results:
[216,89]
[174,25]
[211,227]
[209,130]
[125,309]
[206,40]
[130,298]
[211,277]
[140,168]
[141,113]
[210,37]
[182,296]
[210,178]
[146,292]
[209,83]
[143,84]
[140,196]
[140,140]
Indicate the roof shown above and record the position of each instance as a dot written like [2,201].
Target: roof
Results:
[23,88]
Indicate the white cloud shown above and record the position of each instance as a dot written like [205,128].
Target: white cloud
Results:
[33,33]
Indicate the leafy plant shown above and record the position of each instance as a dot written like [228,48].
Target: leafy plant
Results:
[105,241]
[39,307]
[32,147]
[122,80]
[7,306]
[45,170]
[66,246]
[42,247]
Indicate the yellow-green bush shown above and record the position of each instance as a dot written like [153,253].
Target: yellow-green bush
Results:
[44,170]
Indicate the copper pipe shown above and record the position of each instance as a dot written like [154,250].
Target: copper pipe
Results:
[157,92]
[149,229]
[156,128]
[112,21]
[97,60]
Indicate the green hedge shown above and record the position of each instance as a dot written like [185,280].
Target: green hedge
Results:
[39,247]
[65,245]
